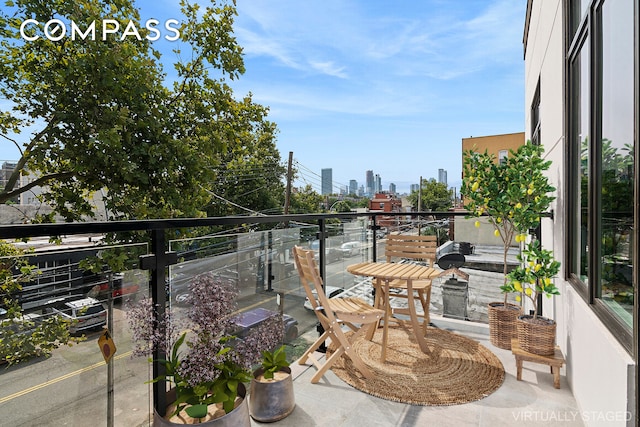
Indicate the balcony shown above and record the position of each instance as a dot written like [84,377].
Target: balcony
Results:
[75,384]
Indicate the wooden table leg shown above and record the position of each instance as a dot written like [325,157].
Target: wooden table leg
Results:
[417,327]
[378,302]
[387,313]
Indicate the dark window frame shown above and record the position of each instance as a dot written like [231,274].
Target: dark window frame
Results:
[589,29]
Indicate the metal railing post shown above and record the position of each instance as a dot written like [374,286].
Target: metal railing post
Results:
[157,262]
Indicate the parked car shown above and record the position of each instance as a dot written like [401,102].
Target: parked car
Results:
[120,290]
[330,291]
[178,285]
[249,319]
[331,254]
[83,313]
[24,324]
[350,248]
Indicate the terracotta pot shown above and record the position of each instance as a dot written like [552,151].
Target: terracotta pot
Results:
[239,417]
[502,323]
[271,400]
[537,335]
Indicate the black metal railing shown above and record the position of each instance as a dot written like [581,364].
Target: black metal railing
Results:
[161,258]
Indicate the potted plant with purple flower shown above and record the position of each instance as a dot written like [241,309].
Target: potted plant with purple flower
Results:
[207,365]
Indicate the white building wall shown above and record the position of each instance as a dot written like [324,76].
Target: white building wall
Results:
[598,369]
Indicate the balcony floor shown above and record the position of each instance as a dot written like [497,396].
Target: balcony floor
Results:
[530,402]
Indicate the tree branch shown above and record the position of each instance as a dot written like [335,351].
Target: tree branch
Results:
[14,143]
[38,182]
[15,175]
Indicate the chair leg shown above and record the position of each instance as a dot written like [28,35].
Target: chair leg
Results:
[346,345]
[313,347]
[327,364]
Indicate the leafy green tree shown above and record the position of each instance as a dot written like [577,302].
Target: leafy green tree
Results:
[104,119]
[22,337]
[250,174]
[305,200]
[435,196]
[342,206]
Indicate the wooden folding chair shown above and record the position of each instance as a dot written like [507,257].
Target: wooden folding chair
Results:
[412,248]
[333,314]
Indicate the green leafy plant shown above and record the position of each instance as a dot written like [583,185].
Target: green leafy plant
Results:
[533,276]
[22,336]
[512,194]
[273,362]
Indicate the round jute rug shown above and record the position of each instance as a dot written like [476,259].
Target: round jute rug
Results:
[458,370]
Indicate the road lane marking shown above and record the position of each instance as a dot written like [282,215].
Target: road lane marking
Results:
[62,378]
[98,364]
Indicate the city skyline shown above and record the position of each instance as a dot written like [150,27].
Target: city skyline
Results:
[367,188]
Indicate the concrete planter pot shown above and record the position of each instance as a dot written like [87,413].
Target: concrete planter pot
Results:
[271,400]
[239,417]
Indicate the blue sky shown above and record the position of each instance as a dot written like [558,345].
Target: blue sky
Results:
[391,87]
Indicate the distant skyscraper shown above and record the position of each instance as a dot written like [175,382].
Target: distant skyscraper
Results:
[353,186]
[370,185]
[392,188]
[415,187]
[377,184]
[327,181]
[442,176]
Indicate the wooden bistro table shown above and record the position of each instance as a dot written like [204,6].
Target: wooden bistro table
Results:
[384,273]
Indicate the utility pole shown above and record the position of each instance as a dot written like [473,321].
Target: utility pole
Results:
[419,202]
[287,196]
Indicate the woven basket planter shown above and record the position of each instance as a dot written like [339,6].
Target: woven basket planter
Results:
[502,323]
[537,335]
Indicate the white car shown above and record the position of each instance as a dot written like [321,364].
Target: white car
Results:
[82,313]
[350,248]
[330,291]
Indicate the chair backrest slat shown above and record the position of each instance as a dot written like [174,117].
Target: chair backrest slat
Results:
[413,247]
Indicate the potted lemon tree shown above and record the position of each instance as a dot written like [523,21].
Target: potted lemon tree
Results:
[533,277]
[511,194]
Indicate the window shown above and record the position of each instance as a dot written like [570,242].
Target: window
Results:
[601,131]
[535,116]
[502,156]
[615,137]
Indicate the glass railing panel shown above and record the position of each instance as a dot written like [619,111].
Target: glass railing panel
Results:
[71,384]
[483,254]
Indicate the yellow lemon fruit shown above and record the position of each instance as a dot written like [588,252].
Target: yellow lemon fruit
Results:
[496,233]
[517,286]
[518,205]
[477,224]
[475,186]
[530,191]
[518,298]
[528,291]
